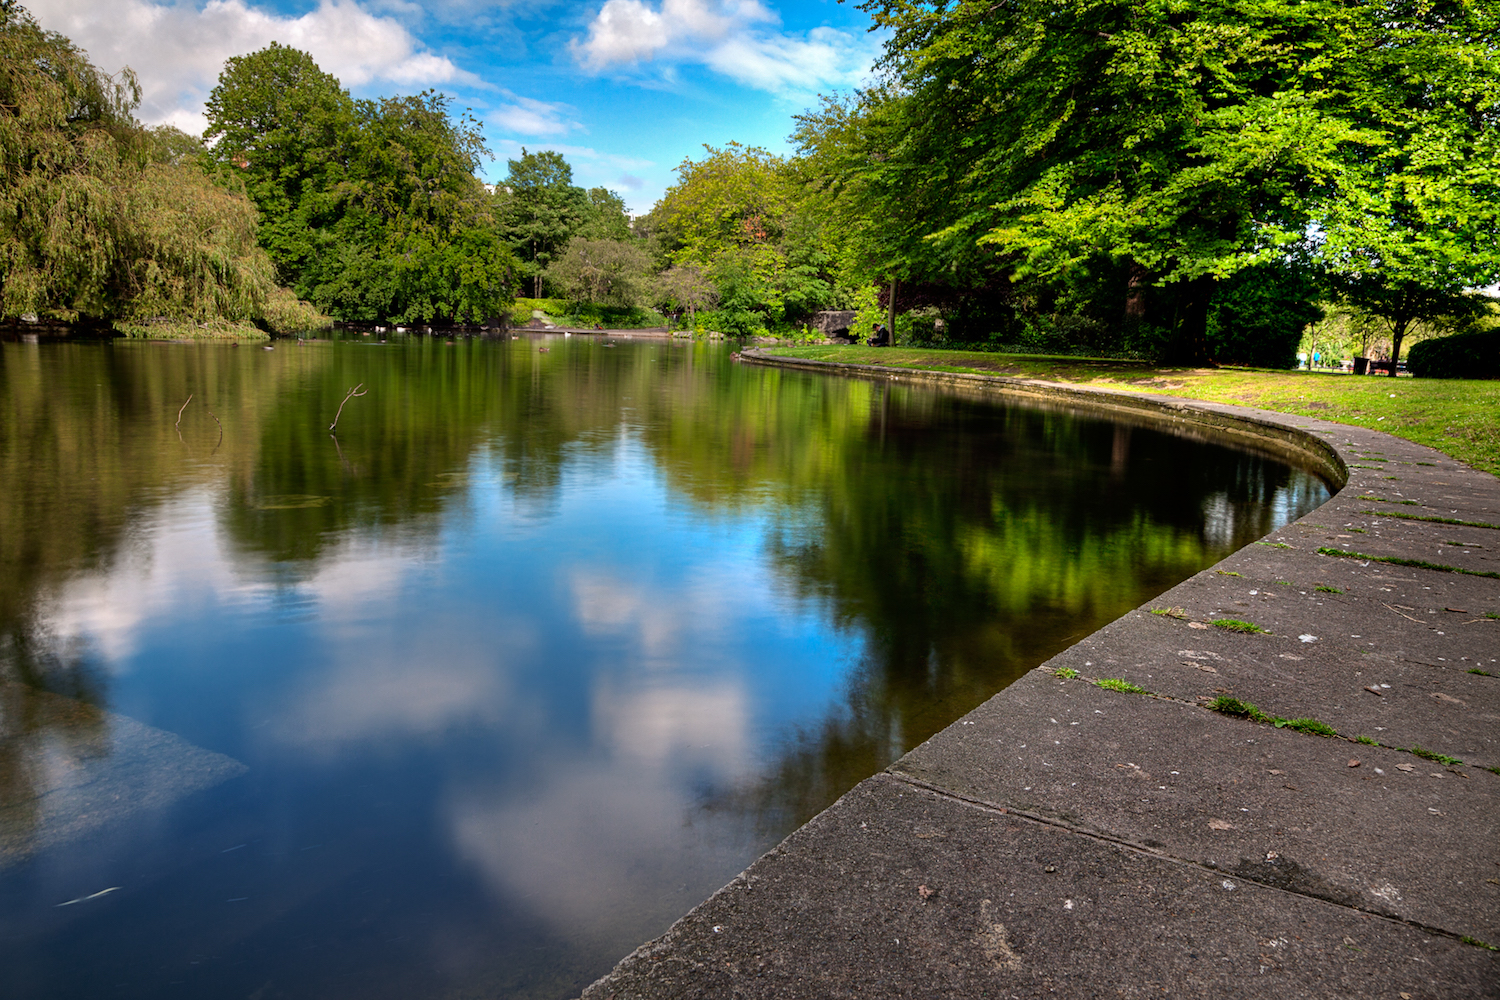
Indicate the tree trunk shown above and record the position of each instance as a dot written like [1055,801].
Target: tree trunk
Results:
[1192,330]
[1135,295]
[890,312]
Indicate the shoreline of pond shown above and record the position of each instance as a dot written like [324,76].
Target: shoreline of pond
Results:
[1158,807]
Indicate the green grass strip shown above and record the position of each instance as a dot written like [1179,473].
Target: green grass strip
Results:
[1067,673]
[1434,520]
[1235,625]
[1409,503]
[1416,563]
[1116,684]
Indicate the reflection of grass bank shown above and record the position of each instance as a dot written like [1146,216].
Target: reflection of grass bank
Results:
[168,330]
[1461,418]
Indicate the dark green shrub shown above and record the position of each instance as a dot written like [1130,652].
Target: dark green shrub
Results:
[1462,355]
[1257,316]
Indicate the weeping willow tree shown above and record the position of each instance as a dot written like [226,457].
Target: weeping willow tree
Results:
[103,221]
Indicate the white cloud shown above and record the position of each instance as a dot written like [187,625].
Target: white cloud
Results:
[177,49]
[529,117]
[734,39]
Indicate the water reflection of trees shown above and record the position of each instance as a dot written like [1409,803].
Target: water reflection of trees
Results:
[965,541]
[969,542]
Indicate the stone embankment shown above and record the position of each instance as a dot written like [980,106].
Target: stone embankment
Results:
[1157,811]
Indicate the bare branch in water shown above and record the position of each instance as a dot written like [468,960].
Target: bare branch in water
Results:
[221,431]
[179,412]
[358,390]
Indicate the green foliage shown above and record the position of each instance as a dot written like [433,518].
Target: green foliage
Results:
[602,272]
[370,209]
[1122,686]
[685,286]
[736,216]
[102,220]
[1066,673]
[1463,355]
[538,208]
[1366,741]
[1258,315]
[1121,163]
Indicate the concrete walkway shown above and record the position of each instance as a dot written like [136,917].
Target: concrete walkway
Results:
[1067,839]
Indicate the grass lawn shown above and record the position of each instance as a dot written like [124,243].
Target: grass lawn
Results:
[1459,418]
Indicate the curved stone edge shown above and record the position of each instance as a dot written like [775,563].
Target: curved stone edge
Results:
[1279,435]
[800,920]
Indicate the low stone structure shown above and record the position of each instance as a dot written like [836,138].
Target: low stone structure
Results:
[1071,839]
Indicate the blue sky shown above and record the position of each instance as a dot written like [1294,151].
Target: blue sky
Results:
[626,89]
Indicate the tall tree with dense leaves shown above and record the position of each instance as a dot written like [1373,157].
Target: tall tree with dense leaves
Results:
[102,220]
[370,208]
[539,209]
[1180,140]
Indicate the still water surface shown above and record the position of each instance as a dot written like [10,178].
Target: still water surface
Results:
[534,654]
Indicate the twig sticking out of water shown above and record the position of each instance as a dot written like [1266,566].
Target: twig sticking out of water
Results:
[358,390]
[179,411]
[221,431]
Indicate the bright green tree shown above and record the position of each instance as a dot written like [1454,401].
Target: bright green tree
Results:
[539,208]
[371,209]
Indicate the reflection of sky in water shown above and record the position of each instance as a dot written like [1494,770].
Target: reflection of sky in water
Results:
[572,686]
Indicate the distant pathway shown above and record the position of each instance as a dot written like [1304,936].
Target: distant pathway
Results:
[1072,840]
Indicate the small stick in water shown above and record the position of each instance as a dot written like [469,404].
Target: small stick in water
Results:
[179,412]
[356,391]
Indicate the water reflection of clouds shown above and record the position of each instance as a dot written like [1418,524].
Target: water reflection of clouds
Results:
[603,846]
[399,693]
[174,564]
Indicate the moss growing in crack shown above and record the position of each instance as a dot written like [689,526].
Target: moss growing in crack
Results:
[1313,727]
[1123,686]
[1235,708]
[1066,673]
[1170,612]
[1366,741]
[1434,520]
[1235,625]
[1481,673]
[1478,943]
[1274,545]
[1226,572]
[1434,756]
[1326,590]
[1415,563]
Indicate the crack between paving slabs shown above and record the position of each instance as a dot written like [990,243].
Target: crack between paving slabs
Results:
[1106,838]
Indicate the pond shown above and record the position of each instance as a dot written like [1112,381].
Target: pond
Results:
[546,642]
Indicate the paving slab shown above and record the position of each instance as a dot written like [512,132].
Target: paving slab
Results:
[1067,839]
[899,891]
[1368,827]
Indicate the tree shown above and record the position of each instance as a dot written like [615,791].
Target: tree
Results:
[102,220]
[370,208]
[735,215]
[1178,142]
[602,272]
[283,125]
[538,208]
[685,286]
